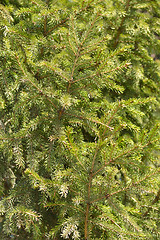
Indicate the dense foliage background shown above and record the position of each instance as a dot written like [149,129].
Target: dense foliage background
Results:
[79,125]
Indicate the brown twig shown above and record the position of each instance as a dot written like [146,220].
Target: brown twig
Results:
[45,26]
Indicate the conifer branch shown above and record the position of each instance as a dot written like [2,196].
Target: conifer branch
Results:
[73,69]
[106,216]
[92,45]
[121,25]
[66,19]
[89,191]
[47,65]
[99,73]
[4,78]
[114,112]
[153,133]
[134,184]
[49,205]
[94,158]
[89,30]
[156,199]
[125,153]
[92,120]
[79,46]
[115,53]
[120,155]
[74,32]
[71,45]
[58,25]
[60,118]
[116,69]
[86,65]
[80,79]
[73,151]
[33,84]
[112,134]
[104,227]
[125,217]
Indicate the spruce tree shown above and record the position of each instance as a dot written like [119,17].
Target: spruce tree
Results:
[79,99]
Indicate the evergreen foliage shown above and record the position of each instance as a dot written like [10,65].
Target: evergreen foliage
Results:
[79,132]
